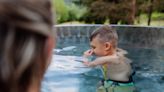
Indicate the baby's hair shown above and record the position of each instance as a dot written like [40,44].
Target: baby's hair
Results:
[105,34]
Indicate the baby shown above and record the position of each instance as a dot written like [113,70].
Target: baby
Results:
[116,67]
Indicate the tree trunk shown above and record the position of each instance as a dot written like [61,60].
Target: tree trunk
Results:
[150,11]
[133,10]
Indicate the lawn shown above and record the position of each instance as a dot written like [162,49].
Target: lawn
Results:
[157,20]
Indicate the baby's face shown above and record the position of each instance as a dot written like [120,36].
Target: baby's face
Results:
[98,47]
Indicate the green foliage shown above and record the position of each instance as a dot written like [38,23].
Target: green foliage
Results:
[159,5]
[142,6]
[113,10]
[61,10]
[65,12]
[158,16]
[100,11]
[75,12]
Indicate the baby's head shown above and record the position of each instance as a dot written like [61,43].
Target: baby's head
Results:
[103,41]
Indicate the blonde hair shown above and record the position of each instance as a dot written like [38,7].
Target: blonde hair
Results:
[24,29]
[105,34]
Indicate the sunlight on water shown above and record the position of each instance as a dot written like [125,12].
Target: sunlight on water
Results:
[64,49]
[68,74]
[68,64]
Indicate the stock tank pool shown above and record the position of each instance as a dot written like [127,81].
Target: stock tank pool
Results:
[66,73]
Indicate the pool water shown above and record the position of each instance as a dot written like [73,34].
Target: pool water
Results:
[65,74]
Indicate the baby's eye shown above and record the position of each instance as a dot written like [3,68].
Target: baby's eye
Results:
[93,47]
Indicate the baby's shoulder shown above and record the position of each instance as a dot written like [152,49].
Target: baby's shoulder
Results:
[126,60]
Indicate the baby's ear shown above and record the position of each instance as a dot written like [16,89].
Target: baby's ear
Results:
[108,45]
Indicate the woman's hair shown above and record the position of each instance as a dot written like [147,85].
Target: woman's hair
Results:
[105,34]
[25,26]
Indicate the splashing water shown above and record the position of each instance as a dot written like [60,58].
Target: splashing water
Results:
[68,64]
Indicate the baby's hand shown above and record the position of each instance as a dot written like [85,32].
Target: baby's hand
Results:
[88,53]
[86,63]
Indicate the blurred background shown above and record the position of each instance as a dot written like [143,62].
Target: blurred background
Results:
[130,12]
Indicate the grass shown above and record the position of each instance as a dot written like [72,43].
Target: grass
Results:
[156,20]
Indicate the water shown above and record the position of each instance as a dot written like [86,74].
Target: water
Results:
[149,66]
[144,44]
[66,74]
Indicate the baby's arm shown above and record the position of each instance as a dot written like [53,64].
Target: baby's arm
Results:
[102,60]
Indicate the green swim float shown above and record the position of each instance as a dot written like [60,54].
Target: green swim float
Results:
[115,86]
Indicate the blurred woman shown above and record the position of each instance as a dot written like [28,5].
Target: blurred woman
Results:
[26,42]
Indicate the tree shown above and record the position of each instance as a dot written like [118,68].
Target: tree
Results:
[61,10]
[115,11]
[67,11]
[158,5]
[148,7]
